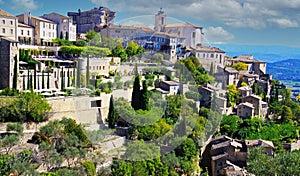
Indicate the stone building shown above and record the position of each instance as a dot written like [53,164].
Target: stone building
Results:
[9,55]
[65,27]
[97,66]
[193,34]
[169,87]
[8,25]
[254,66]
[260,107]
[245,110]
[25,34]
[92,19]
[44,30]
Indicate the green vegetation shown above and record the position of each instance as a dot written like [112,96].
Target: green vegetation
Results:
[240,66]
[28,107]
[285,163]
[111,119]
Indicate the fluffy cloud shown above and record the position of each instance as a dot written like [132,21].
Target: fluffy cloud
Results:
[24,5]
[254,14]
[217,35]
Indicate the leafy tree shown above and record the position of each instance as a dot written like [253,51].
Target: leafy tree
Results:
[193,95]
[287,114]
[239,66]
[232,94]
[6,161]
[187,149]
[111,113]
[81,43]
[119,51]
[89,167]
[93,38]
[230,125]
[95,51]
[133,49]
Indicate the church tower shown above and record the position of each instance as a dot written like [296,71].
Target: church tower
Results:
[160,21]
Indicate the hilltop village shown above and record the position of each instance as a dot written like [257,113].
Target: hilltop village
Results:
[82,95]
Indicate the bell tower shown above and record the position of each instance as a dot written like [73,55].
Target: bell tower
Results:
[160,21]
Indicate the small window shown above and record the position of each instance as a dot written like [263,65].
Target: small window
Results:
[3,21]
[11,22]
[43,24]
[11,31]
[3,30]
[22,32]
[43,33]
[28,32]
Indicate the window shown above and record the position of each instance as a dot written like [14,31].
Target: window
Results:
[11,31]
[43,33]
[49,34]
[3,30]
[49,26]
[11,22]
[3,21]
[28,32]
[22,32]
[194,34]
[43,24]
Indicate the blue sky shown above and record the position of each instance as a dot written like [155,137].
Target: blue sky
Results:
[251,22]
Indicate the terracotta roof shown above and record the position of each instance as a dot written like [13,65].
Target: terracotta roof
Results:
[43,19]
[245,59]
[6,14]
[185,24]
[208,49]
[259,142]
[24,25]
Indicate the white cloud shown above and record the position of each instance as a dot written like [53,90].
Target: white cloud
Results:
[284,23]
[254,14]
[24,5]
[217,35]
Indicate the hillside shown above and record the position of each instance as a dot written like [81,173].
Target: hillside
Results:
[286,70]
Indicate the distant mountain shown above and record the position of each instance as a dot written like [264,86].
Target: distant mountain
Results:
[265,53]
[286,70]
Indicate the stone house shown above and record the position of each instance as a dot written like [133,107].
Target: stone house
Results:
[9,54]
[97,66]
[267,145]
[8,25]
[92,19]
[65,27]
[44,30]
[245,91]
[208,92]
[208,56]
[245,110]
[292,146]
[255,66]
[260,107]
[25,34]
[169,87]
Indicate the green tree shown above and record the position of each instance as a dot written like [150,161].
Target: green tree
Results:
[136,93]
[133,49]
[286,115]
[144,96]
[232,94]
[15,76]
[119,51]
[9,141]
[93,38]
[111,119]
[89,167]
[239,66]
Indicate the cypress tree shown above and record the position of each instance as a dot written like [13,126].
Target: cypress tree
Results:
[88,71]
[15,78]
[144,98]
[62,79]
[212,70]
[28,79]
[111,114]
[69,77]
[135,99]
[34,78]
[48,80]
[78,74]
[43,80]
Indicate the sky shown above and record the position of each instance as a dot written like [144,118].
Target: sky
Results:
[243,22]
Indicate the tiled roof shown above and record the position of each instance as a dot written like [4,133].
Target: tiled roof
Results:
[24,25]
[231,70]
[61,16]
[219,156]
[171,83]
[246,104]
[208,49]
[259,142]
[6,14]
[185,24]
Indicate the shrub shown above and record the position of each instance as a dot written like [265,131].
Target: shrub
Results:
[90,168]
